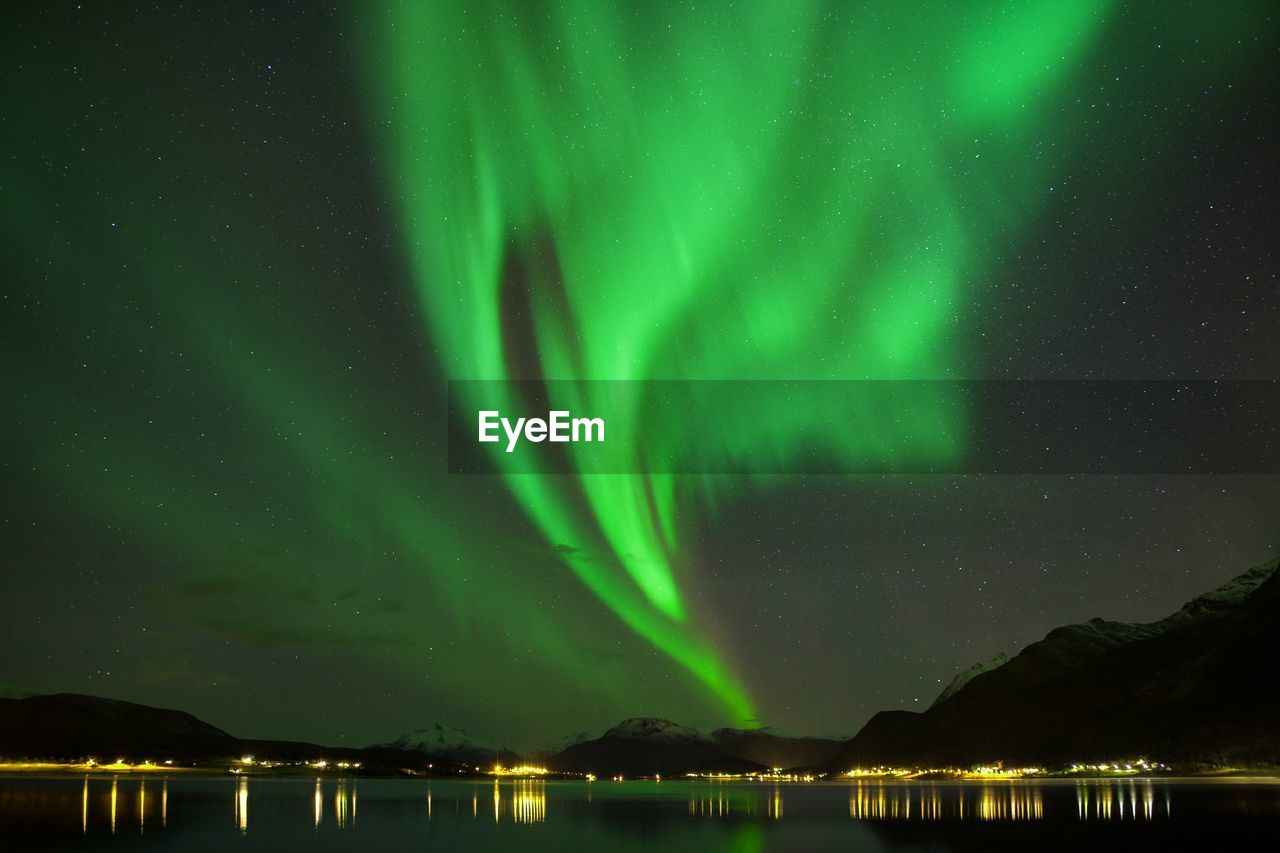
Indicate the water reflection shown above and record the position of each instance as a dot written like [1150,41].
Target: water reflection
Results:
[346,797]
[1132,799]
[242,805]
[344,804]
[525,802]
[1017,803]
[114,801]
[125,805]
[1096,799]
[529,801]
[716,802]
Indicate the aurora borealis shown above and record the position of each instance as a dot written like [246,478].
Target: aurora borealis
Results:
[247,250]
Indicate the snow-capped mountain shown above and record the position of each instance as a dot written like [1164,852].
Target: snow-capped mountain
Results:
[653,727]
[447,742]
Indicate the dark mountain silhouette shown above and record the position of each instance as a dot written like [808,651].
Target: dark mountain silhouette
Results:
[772,748]
[647,746]
[1195,688]
[730,765]
[71,726]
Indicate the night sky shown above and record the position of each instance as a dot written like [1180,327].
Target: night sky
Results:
[244,250]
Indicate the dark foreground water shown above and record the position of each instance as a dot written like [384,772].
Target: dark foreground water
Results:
[192,814]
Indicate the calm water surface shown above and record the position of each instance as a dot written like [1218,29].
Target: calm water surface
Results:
[180,812]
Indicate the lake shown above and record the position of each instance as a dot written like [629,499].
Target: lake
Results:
[241,813]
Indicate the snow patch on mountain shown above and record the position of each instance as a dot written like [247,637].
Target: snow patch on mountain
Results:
[968,675]
[653,727]
[447,742]
[1071,644]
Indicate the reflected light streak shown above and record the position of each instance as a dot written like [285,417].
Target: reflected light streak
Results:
[717,806]
[529,801]
[930,802]
[1105,799]
[344,804]
[242,805]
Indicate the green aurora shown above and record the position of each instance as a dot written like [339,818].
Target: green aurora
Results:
[243,391]
[770,190]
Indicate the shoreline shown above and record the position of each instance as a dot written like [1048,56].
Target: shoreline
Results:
[52,770]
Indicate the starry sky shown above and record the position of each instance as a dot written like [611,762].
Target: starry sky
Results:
[247,248]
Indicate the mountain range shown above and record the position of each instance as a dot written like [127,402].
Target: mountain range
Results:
[1197,688]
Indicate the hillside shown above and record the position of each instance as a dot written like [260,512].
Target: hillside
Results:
[73,727]
[1195,688]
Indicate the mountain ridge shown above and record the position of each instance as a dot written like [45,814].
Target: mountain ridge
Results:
[650,746]
[1189,687]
